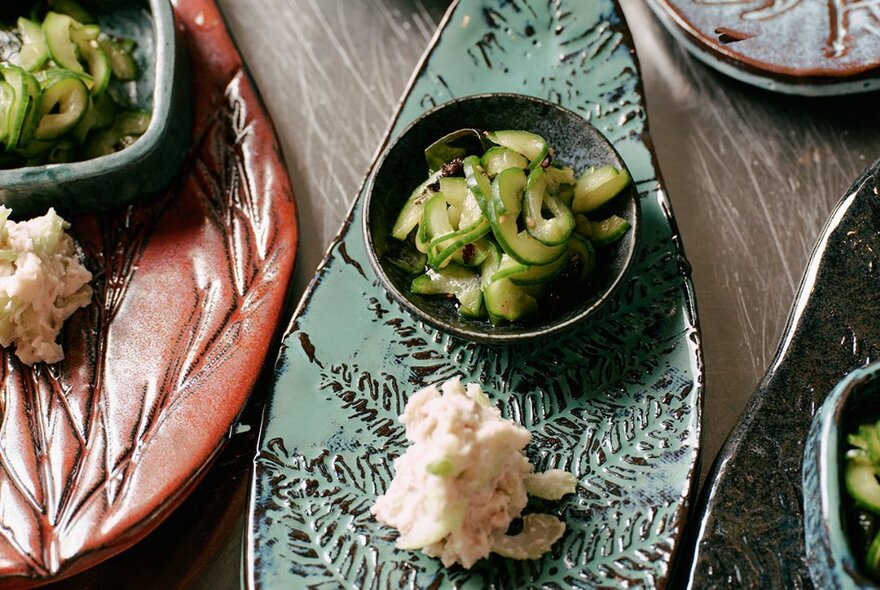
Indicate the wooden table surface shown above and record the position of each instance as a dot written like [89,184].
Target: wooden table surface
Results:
[751,176]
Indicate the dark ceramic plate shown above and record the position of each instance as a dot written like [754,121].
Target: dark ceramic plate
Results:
[190,285]
[809,47]
[147,166]
[751,531]
[827,536]
[577,143]
[616,399]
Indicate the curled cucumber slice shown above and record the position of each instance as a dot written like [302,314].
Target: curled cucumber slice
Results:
[507,190]
[122,63]
[530,145]
[16,79]
[34,50]
[65,102]
[556,229]
[56,29]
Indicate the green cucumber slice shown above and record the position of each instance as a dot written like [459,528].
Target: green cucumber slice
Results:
[601,232]
[34,50]
[455,280]
[443,240]
[7,102]
[122,63]
[65,102]
[524,274]
[99,65]
[550,232]
[14,76]
[454,188]
[598,186]
[57,30]
[507,189]
[444,248]
[530,145]
[478,183]
[34,107]
[126,129]
[861,480]
[499,158]
[507,301]
[411,212]
[435,219]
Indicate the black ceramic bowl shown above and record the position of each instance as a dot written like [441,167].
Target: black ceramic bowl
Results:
[402,168]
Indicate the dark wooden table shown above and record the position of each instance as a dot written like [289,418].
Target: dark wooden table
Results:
[751,176]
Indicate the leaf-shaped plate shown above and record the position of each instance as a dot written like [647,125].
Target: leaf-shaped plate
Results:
[616,401]
[751,529]
[189,289]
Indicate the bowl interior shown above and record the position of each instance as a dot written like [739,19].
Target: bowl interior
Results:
[577,144]
[860,406]
[835,553]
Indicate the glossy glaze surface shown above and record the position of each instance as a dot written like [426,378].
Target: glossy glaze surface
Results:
[96,450]
[811,47]
[751,527]
[616,401]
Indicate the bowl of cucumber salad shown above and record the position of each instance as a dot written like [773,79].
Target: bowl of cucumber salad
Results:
[94,103]
[841,489]
[500,218]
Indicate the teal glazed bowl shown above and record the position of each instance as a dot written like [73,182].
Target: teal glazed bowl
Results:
[150,163]
[828,539]
[402,168]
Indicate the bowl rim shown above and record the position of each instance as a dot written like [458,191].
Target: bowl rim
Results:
[826,541]
[163,88]
[486,336]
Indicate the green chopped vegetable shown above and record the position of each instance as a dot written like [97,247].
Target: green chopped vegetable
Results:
[53,91]
[512,197]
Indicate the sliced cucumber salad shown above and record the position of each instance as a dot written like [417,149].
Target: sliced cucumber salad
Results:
[503,226]
[861,479]
[54,104]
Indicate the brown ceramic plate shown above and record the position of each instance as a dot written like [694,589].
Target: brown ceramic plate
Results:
[190,285]
[809,47]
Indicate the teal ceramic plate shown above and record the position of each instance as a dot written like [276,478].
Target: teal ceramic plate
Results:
[148,165]
[615,400]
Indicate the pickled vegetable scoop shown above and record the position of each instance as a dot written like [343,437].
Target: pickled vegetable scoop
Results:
[503,226]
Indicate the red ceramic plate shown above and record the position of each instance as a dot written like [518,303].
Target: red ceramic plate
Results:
[190,286]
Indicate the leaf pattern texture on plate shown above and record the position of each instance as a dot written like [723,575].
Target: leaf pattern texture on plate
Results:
[189,288]
[616,401]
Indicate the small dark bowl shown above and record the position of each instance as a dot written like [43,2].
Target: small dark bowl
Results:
[151,162]
[828,539]
[402,168]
